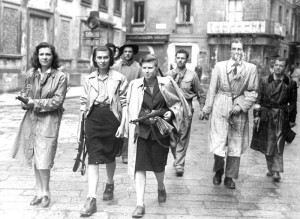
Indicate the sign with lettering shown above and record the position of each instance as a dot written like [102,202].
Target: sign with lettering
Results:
[148,38]
[91,42]
[91,34]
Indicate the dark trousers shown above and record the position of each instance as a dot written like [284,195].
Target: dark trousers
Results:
[275,162]
[232,165]
[125,149]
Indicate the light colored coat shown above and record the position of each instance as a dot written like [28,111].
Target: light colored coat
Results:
[116,82]
[38,132]
[219,103]
[175,102]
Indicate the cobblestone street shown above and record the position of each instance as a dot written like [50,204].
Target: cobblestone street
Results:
[191,196]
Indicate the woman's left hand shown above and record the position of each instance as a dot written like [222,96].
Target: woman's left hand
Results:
[167,116]
[120,132]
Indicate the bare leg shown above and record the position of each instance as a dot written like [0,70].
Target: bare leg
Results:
[93,177]
[160,180]
[38,182]
[45,179]
[140,183]
[110,171]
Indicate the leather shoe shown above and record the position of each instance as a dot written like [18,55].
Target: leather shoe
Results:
[276,177]
[229,183]
[45,201]
[218,177]
[139,211]
[270,173]
[36,200]
[162,196]
[179,172]
[108,193]
[89,207]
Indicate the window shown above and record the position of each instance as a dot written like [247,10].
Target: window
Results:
[103,5]
[235,10]
[87,3]
[185,11]
[10,33]
[280,14]
[118,7]
[139,12]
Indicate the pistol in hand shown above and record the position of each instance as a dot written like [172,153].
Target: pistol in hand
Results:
[25,100]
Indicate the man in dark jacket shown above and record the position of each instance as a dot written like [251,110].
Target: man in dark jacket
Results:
[269,69]
[277,97]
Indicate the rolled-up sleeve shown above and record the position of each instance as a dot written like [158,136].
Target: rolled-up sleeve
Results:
[123,91]
[197,88]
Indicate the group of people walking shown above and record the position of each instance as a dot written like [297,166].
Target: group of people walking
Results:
[118,99]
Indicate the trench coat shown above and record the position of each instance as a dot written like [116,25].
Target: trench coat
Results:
[175,102]
[219,103]
[277,101]
[37,137]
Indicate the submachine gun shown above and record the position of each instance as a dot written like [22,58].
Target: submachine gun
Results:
[81,150]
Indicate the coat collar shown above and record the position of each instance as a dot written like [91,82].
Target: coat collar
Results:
[49,71]
[285,79]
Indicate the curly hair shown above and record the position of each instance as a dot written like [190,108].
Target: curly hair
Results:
[104,49]
[35,58]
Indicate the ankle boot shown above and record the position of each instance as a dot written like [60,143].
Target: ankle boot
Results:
[89,208]
[108,193]
[218,177]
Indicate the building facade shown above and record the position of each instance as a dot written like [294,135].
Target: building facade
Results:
[26,23]
[205,29]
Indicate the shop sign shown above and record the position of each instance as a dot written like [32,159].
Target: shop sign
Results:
[148,38]
[236,27]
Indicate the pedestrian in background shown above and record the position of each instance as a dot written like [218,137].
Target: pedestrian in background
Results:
[103,104]
[277,97]
[36,143]
[190,86]
[148,147]
[296,74]
[269,69]
[232,92]
[131,70]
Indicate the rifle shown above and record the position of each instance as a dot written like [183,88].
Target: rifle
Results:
[158,112]
[81,150]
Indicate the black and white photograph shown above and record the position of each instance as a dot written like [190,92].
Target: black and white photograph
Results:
[154,109]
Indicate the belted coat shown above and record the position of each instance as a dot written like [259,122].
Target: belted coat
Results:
[219,102]
[38,132]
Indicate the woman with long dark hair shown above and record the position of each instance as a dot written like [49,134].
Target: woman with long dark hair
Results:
[43,96]
[103,105]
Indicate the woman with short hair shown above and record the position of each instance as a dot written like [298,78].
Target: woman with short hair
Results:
[148,147]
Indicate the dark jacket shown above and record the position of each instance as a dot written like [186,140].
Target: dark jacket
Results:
[277,100]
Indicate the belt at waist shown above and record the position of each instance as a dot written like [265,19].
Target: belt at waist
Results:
[101,105]
[224,93]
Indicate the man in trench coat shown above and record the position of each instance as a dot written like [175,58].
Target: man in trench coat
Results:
[277,98]
[232,92]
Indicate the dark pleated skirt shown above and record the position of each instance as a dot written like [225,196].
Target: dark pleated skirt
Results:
[151,156]
[100,128]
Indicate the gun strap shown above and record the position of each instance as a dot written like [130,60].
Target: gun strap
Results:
[156,138]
